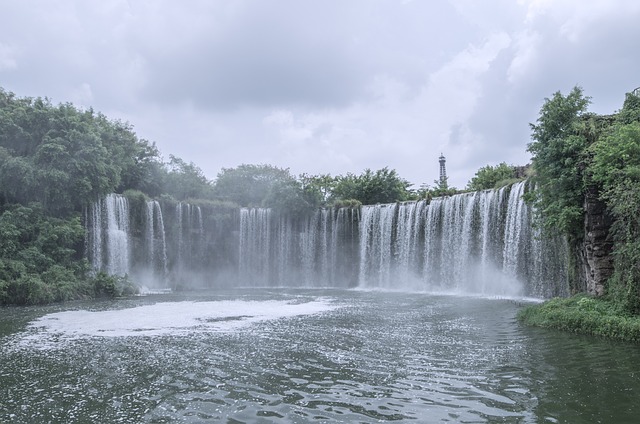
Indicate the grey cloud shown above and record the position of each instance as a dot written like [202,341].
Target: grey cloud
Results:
[266,56]
[303,53]
[200,77]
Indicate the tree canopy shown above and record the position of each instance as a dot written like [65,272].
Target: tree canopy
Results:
[250,185]
[65,158]
[615,166]
[381,186]
[489,176]
[558,150]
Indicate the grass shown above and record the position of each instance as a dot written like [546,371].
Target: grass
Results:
[583,314]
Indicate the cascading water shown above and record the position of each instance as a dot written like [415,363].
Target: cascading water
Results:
[255,244]
[482,242]
[189,237]
[376,238]
[108,235]
[156,240]
[309,251]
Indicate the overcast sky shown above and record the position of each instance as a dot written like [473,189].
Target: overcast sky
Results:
[324,86]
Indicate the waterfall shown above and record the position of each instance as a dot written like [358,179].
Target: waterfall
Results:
[477,243]
[308,251]
[189,237]
[255,243]
[179,237]
[376,229]
[108,235]
[93,238]
[156,240]
[516,225]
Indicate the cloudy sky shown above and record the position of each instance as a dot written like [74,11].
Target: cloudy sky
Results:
[324,86]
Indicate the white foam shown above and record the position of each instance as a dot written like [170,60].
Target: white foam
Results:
[166,318]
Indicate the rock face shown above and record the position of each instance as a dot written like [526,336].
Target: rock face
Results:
[597,243]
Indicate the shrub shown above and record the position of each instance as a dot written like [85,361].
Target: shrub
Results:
[585,315]
[112,286]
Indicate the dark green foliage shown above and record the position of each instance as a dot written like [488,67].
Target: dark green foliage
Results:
[65,158]
[249,185]
[427,193]
[559,160]
[185,181]
[576,153]
[369,188]
[111,286]
[318,187]
[489,177]
[289,196]
[347,203]
[585,315]
[616,168]
[39,259]
[55,161]
[631,109]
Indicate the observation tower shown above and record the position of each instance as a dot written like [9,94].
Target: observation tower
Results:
[443,171]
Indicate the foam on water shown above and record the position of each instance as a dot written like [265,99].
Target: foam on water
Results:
[161,319]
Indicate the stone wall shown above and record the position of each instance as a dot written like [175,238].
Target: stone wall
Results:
[597,243]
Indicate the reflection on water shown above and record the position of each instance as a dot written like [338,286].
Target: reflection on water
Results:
[306,356]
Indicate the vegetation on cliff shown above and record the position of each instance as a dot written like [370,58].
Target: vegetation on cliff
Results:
[578,155]
[616,168]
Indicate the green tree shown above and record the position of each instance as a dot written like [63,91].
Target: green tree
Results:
[40,257]
[488,176]
[249,185]
[559,160]
[186,181]
[289,196]
[64,157]
[319,187]
[381,186]
[616,167]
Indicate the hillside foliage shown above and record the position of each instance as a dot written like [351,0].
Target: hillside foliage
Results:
[575,151]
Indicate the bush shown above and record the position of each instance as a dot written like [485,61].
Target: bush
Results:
[30,290]
[584,315]
[112,286]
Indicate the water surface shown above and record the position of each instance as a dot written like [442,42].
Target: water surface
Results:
[306,356]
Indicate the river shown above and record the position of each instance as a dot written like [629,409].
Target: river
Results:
[260,356]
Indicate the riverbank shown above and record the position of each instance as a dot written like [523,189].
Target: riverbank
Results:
[584,315]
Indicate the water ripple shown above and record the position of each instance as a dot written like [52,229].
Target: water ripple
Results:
[376,357]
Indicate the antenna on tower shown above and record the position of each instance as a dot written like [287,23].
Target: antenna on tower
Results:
[443,172]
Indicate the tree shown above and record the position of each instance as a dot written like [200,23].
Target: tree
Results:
[488,176]
[559,161]
[186,181]
[616,167]
[64,157]
[319,187]
[249,185]
[381,186]
[290,197]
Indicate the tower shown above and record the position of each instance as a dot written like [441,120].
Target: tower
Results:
[443,172]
